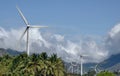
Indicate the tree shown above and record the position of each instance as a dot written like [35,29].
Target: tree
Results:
[33,65]
[57,65]
[5,63]
[105,73]
[19,63]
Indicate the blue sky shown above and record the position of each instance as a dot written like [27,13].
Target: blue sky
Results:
[68,17]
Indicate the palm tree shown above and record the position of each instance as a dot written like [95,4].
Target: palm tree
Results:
[45,65]
[19,63]
[43,56]
[6,59]
[34,65]
[57,65]
[5,64]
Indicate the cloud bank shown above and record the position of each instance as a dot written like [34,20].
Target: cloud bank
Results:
[112,41]
[66,49]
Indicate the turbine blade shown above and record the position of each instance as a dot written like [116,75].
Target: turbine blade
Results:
[84,55]
[18,42]
[23,34]
[24,19]
[38,26]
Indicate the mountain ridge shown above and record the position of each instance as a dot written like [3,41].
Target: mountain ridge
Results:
[9,52]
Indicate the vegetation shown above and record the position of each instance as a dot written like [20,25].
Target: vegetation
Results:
[105,73]
[90,73]
[38,65]
[117,72]
[34,65]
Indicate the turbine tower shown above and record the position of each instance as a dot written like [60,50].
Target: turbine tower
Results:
[28,26]
[81,63]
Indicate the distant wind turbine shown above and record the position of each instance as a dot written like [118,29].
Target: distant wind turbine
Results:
[97,68]
[27,29]
[81,63]
[72,65]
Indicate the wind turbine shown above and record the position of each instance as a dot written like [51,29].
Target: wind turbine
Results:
[72,65]
[97,68]
[77,68]
[27,29]
[81,63]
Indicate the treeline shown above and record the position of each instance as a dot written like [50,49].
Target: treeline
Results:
[33,65]
[38,65]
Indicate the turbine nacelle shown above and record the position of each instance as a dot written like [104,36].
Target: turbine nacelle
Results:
[28,25]
[81,56]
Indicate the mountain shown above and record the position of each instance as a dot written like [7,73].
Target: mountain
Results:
[115,67]
[2,52]
[9,51]
[112,63]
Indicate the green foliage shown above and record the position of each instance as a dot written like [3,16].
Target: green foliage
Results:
[90,73]
[34,65]
[105,73]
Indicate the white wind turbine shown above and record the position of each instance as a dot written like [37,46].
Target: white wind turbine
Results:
[81,63]
[27,30]
[77,68]
[97,68]
[72,66]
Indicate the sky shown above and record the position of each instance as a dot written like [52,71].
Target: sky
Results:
[74,26]
[77,17]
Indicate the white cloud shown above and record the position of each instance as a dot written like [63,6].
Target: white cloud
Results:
[59,38]
[65,48]
[115,30]
[112,41]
